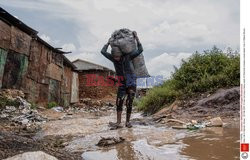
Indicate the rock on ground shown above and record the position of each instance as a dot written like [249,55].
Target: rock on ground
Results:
[38,155]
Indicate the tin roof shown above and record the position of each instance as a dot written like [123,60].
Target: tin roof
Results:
[82,65]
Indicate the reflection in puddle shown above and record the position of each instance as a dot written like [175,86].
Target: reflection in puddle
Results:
[138,150]
[211,143]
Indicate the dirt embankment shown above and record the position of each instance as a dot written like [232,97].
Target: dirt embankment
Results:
[224,103]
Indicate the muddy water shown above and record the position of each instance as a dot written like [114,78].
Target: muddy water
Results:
[145,142]
[217,143]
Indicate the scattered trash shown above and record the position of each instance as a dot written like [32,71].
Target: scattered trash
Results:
[176,120]
[58,109]
[196,126]
[109,141]
[11,94]
[214,122]
[180,127]
[21,113]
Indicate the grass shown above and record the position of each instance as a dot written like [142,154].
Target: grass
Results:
[51,105]
[202,72]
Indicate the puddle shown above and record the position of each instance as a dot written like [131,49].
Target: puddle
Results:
[145,142]
[210,143]
[138,150]
[213,143]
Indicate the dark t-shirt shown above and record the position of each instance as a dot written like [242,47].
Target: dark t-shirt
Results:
[124,67]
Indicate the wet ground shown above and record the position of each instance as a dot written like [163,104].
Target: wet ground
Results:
[144,141]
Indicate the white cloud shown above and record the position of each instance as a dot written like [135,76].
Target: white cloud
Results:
[45,38]
[164,63]
[69,47]
[163,26]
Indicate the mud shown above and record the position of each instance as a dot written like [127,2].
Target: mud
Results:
[77,138]
[146,140]
[75,133]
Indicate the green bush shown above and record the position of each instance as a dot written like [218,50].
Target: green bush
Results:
[52,104]
[202,72]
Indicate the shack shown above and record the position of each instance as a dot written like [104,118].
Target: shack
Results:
[32,65]
[86,69]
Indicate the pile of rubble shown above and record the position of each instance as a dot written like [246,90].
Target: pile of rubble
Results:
[93,105]
[15,108]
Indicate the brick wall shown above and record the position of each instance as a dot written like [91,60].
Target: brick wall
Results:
[94,91]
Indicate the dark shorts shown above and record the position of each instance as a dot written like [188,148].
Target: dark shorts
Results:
[123,90]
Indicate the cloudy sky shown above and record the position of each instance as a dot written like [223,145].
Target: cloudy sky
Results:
[170,30]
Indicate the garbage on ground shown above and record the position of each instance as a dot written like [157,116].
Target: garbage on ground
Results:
[11,94]
[124,39]
[57,109]
[193,125]
[19,110]
[89,105]
[109,141]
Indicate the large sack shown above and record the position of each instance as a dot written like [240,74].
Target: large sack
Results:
[140,67]
[124,39]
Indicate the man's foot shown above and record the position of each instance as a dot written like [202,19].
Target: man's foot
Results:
[114,126]
[128,125]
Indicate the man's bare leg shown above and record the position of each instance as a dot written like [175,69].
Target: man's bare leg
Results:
[119,104]
[129,103]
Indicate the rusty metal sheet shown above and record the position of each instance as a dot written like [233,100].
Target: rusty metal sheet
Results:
[34,60]
[43,65]
[3,56]
[54,91]
[67,79]
[57,59]
[43,94]
[74,88]
[66,85]
[5,32]
[54,72]
[15,69]
[32,90]
[20,41]
[66,99]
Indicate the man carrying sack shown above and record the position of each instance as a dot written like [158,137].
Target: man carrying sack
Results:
[124,68]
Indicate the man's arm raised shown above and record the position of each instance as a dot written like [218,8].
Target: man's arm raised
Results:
[105,53]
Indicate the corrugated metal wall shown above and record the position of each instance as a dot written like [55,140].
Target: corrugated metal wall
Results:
[31,66]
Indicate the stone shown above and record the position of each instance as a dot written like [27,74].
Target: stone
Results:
[215,122]
[194,122]
[38,155]
[109,141]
